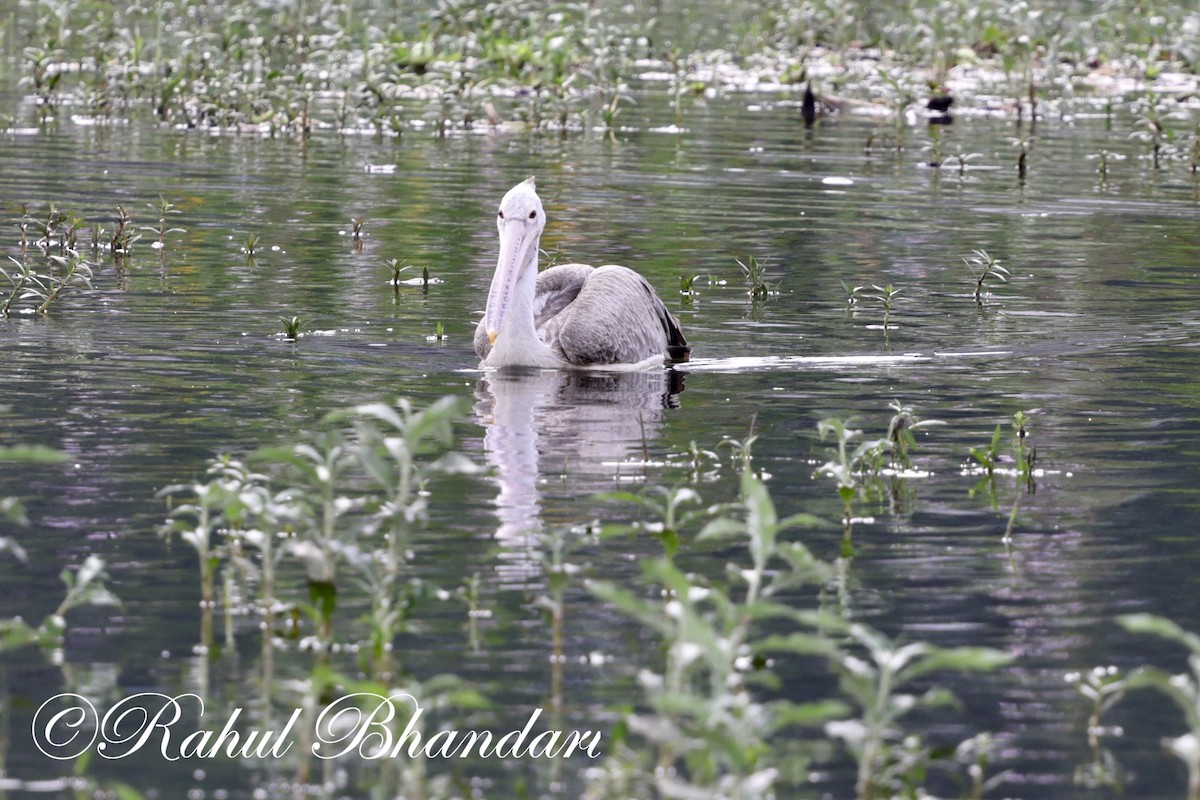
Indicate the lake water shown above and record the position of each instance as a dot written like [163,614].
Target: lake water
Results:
[175,357]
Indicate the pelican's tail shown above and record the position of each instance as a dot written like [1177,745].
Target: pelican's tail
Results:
[678,350]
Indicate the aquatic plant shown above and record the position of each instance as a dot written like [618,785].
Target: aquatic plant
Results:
[884,295]
[343,498]
[890,763]
[687,284]
[123,238]
[844,469]
[1024,456]
[901,432]
[963,159]
[704,733]
[250,246]
[24,277]
[898,97]
[1183,689]
[988,456]
[858,463]
[84,586]
[291,327]
[853,294]
[424,281]
[45,288]
[984,266]
[165,211]
[356,231]
[755,273]
[75,273]
[1102,688]
[667,514]
[1151,120]
[1102,159]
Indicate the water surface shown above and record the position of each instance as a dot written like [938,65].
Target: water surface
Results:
[175,357]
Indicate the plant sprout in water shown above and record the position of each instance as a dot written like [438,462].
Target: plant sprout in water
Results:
[250,246]
[123,237]
[755,273]
[884,295]
[983,266]
[165,211]
[291,327]
[1103,159]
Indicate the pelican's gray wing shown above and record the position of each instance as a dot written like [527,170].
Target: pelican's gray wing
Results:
[557,288]
[617,318]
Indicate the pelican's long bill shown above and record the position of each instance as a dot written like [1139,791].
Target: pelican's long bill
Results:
[516,238]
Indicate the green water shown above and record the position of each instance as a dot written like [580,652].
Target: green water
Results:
[175,357]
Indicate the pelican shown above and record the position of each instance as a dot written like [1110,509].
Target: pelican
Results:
[572,315]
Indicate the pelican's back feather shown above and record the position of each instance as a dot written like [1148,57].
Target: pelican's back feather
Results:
[616,318]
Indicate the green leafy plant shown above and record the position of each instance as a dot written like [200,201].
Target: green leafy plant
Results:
[885,296]
[291,327]
[888,761]
[123,236]
[755,273]
[165,211]
[250,246]
[984,266]
[704,733]
[1183,689]
[687,284]
[1102,688]
[85,586]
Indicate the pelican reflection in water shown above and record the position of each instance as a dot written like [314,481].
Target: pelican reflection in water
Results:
[571,315]
[582,422]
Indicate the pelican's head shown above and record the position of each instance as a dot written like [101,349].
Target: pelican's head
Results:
[520,221]
[521,204]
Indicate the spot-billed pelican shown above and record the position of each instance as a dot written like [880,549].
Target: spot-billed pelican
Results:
[572,315]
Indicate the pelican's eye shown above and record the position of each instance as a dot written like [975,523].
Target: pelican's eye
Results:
[501,214]
[533,215]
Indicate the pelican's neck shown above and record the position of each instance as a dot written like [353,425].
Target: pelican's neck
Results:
[517,343]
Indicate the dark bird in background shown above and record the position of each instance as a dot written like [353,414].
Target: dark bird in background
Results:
[939,108]
[808,107]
